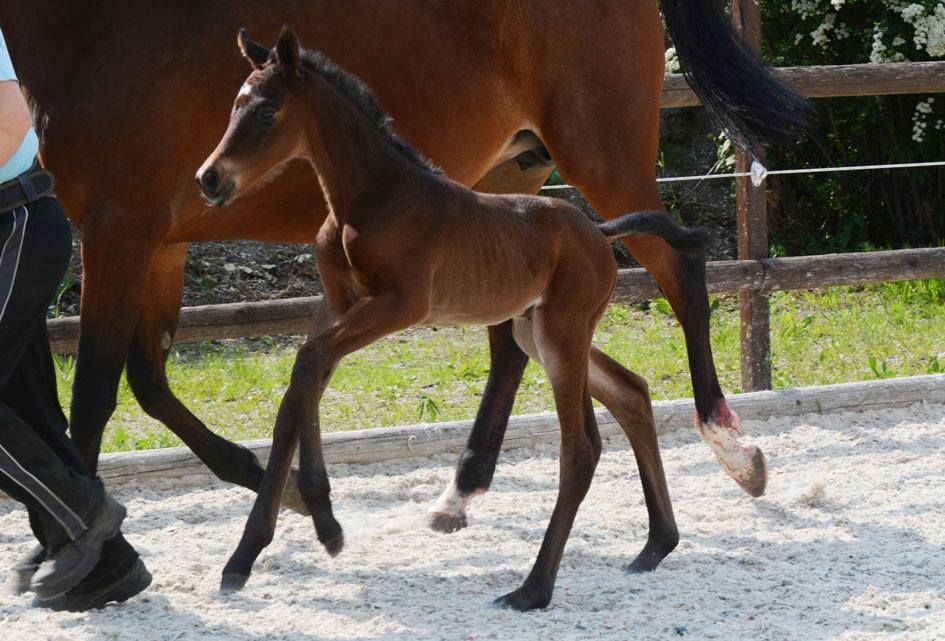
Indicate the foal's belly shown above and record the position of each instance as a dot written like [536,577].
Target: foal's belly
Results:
[483,305]
[484,317]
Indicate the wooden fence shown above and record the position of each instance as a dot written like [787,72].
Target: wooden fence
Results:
[753,276]
[293,315]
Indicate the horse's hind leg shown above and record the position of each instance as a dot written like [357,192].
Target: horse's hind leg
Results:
[627,397]
[477,463]
[606,144]
[151,343]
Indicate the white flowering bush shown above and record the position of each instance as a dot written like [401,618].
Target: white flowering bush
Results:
[847,211]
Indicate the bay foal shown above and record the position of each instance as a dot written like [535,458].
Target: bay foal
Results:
[404,245]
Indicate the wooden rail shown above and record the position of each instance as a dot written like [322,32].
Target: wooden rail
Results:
[405,442]
[292,316]
[834,81]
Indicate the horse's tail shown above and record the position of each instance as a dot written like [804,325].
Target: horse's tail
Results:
[655,223]
[736,87]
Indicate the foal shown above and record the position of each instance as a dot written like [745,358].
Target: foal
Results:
[404,245]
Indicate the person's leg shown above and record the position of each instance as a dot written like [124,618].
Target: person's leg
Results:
[31,394]
[41,466]
[34,249]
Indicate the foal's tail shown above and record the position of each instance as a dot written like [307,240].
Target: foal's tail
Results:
[655,223]
[738,89]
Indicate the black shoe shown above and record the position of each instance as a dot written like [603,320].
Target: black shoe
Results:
[82,597]
[22,573]
[66,565]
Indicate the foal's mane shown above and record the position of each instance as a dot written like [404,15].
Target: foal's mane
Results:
[361,96]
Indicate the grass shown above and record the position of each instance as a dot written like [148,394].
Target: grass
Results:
[425,374]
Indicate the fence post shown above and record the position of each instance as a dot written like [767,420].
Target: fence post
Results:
[752,218]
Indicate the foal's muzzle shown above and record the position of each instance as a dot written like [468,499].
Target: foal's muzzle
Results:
[216,191]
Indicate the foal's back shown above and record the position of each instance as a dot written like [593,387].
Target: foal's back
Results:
[497,256]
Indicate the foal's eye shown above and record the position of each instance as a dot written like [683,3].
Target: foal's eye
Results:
[264,114]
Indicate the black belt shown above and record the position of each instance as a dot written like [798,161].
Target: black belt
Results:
[26,188]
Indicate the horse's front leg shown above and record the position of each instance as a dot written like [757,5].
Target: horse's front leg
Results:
[477,463]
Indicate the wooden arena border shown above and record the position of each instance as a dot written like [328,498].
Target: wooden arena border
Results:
[398,443]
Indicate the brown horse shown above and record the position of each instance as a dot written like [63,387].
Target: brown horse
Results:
[497,92]
[404,245]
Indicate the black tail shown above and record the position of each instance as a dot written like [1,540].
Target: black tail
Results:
[736,87]
[655,223]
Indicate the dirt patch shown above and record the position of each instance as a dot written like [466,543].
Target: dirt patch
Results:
[847,544]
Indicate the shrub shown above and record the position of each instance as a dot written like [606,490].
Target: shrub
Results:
[847,211]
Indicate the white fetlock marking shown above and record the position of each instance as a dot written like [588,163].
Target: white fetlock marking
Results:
[452,502]
[734,456]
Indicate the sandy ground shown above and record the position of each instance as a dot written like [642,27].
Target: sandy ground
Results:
[847,544]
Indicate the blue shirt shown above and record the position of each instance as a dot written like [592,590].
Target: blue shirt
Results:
[23,157]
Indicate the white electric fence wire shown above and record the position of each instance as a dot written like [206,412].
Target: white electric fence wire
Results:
[758,172]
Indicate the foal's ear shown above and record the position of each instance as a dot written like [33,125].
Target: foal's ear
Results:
[287,51]
[257,54]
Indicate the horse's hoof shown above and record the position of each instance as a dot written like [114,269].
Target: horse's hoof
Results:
[447,523]
[292,497]
[231,583]
[335,545]
[745,463]
[521,600]
[755,480]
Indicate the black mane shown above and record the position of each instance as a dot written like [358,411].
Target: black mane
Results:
[361,96]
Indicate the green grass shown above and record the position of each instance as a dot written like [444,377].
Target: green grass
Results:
[424,374]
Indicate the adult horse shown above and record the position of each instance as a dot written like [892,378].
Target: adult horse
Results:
[129,95]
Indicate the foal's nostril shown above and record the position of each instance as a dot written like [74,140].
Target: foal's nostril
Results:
[209,180]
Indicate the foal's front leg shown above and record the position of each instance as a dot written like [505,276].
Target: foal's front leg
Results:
[262,520]
[368,320]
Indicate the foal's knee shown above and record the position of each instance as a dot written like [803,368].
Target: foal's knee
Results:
[311,364]
[315,489]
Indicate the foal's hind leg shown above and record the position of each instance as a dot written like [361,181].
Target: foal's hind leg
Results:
[477,463]
[627,397]
[561,345]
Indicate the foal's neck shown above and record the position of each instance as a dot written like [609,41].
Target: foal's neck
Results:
[349,154]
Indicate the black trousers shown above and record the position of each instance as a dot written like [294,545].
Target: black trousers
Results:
[39,465]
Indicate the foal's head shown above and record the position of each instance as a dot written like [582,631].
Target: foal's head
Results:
[264,131]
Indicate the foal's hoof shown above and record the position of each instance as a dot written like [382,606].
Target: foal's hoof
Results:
[292,498]
[447,523]
[231,583]
[645,562]
[522,600]
[335,545]
[656,549]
